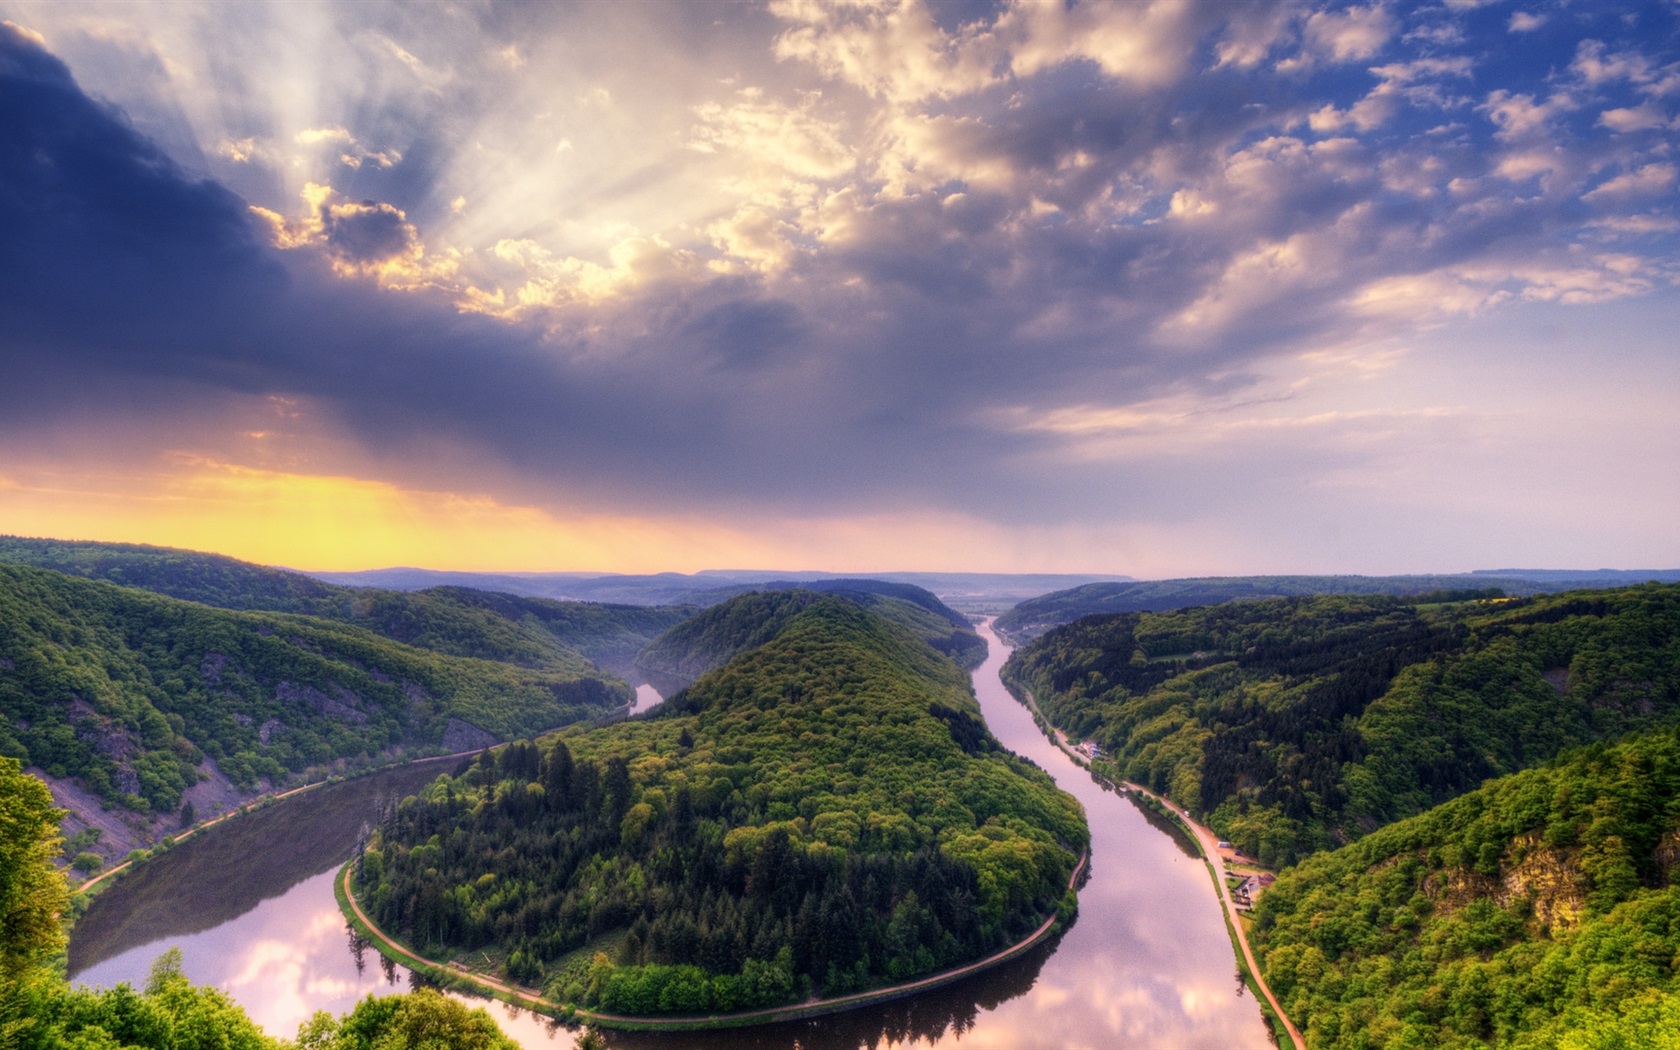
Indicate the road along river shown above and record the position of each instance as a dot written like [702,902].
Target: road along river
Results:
[1147,964]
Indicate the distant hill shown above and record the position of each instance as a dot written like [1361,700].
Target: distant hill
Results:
[538,633]
[1036,615]
[968,592]
[718,634]
[227,583]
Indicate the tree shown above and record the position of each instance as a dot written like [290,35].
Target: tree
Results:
[420,1020]
[32,892]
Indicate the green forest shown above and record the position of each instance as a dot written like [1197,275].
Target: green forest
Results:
[129,692]
[1295,725]
[825,813]
[1541,910]
[530,632]
[718,634]
[40,1011]
[1032,617]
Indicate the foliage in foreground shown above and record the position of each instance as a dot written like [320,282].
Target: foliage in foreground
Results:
[40,1011]
[826,813]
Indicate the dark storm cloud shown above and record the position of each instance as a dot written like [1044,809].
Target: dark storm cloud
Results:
[105,240]
[368,232]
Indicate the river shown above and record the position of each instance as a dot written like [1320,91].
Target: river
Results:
[1148,963]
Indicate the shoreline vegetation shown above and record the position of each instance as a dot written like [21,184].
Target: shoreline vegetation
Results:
[138,857]
[457,977]
[1277,1022]
[822,823]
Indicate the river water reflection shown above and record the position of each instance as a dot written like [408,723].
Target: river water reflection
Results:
[1147,964]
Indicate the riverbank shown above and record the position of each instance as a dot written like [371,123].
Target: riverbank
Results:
[1208,843]
[253,805]
[456,977]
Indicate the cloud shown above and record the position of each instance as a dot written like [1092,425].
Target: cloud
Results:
[351,153]
[1646,117]
[875,255]
[366,238]
[1646,181]
[1353,34]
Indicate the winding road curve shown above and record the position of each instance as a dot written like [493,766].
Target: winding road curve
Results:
[1209,843]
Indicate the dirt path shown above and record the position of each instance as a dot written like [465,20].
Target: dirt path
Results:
[790,1012]
[1209,843]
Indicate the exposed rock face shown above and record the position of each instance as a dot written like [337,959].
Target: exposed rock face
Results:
[269,728]
[120,830]
[464,736]
[346,705]
[1550,878]
[1667,854]
[211,668]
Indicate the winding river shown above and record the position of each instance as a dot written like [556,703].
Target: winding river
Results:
[1148,963]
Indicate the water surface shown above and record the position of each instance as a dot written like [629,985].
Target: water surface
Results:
[1147,964]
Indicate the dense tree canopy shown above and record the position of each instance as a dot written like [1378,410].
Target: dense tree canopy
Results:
[1541,910]
[1294,724]
[825,812]
[718,634]
[1034,616]
[129,691]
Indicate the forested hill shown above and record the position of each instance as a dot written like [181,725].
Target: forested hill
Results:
[1542,910]
[718,634]
[1034,616]
[825,813]
[544,633]
[139,696]
[1292,725]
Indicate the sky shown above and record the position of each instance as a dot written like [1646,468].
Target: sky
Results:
[1156,289]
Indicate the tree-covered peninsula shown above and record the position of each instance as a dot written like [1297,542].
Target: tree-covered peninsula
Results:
[1293,725]
[825,813]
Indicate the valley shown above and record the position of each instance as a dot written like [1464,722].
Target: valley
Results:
[826,813]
